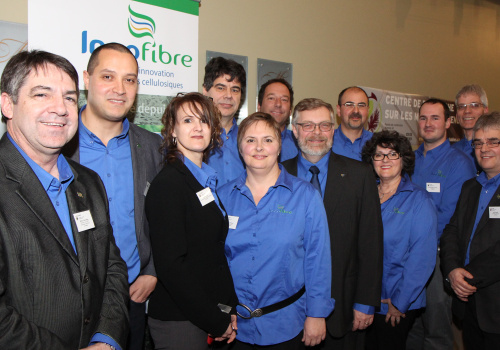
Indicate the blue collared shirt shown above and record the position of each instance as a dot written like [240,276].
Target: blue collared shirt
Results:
[206,176]
[303,172]
[55,188]
[277,247]
[113,163]
[226,160]
[465,146]
[442,172]
[488,189]
[410,246]
[289,147]
[344,146]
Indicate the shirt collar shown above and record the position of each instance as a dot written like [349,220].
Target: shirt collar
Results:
[284,180]
[86,135]
[341,135]
[206,175]
[322,164]
[46,179]
[484,181]
[438,150]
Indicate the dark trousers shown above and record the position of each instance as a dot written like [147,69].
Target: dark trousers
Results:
[474,337]
[350,341]
[293,344]
[383,336]
[177,335]
[137,316]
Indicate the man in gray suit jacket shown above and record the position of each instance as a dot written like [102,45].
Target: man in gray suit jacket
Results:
[63,284]
[127,159]
[353,210]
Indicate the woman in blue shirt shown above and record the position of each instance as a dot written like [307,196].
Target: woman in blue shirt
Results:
[277,247]
[195,295]
[410,240]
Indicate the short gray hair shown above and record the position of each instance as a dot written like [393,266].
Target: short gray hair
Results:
[473,89]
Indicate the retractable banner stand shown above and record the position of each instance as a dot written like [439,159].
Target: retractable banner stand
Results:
[162,35]
[391,110]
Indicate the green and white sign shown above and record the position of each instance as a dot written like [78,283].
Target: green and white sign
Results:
[162,35]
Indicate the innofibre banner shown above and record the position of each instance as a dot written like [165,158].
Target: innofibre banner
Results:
[390,110]
[162,35]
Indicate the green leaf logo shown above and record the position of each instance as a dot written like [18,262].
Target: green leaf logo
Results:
[140,25]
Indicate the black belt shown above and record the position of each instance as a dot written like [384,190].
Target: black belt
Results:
[274,307]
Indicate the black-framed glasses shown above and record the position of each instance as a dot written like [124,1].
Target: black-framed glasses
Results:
[489,143]
[391,156]
[473,105]
[309,126]
[353,104]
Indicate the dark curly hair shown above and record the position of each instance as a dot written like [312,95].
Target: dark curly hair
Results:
[392,140]
[204,108]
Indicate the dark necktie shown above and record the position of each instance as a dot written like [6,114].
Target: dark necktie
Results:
[315,180]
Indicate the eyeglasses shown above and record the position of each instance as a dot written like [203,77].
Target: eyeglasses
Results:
[323,126]
[391,156]
[489,143]
[472,105]
[352,105]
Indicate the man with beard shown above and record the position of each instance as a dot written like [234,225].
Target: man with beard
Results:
[441,170]
[352,206]
[276,98]
[471,102]
[350,136]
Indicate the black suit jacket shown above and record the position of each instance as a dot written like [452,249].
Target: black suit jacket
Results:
[356,235]
[484,255]
[188,248]
[50,297]
[146,163]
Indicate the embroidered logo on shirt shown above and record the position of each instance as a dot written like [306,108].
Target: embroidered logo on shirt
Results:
[396,211]
[439,173]
[281,210]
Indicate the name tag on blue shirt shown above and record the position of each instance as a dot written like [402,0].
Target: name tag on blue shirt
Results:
[205,196]
[494,212]
[84,220]
[433,187]
[233,221]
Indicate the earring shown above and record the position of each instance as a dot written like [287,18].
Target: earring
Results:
[175,141]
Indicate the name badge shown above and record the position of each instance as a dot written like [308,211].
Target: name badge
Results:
[205,196]
[433,187]
[147,188]
[494,212]
[233,221]
[84,220]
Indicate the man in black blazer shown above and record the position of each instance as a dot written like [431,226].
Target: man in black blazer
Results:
[470,244]
[353,210]
[63,284]
[127,158]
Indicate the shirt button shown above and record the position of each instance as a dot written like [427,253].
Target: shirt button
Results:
[253,257]
[112,223]
[109,175]
[86,321]
[110,199]
[85,279]
[57,203]
[254,234]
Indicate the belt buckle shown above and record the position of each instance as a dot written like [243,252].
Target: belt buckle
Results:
[254,313]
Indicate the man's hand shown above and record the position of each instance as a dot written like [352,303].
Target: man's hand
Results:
[461,288]
[98,346]
[314,331]
[393,313]
[142,287]
[361,320]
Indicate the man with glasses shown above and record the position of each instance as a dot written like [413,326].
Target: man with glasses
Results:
[470,244]
[441,170]
[127,159]
[352,206]
[276,98]
[350,136]
[471,102]
[225,83]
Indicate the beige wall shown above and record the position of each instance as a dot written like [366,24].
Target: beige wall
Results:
[430,47]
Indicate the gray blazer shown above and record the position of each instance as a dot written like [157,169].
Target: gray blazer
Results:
[50,297]
[146,164]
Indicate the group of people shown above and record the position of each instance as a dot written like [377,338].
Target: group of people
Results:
[249,236]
